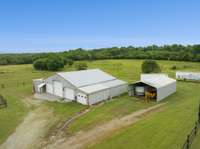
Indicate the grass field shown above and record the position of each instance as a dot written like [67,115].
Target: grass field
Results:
[166,129]
[196,142]
[18,87]
[116,108]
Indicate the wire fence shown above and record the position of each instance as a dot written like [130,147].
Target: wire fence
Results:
[193,133]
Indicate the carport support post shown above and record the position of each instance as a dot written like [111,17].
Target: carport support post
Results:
[199,114]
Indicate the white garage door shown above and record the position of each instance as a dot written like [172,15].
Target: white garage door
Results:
[57,88]
[49,88]
[82,98]
[69,93]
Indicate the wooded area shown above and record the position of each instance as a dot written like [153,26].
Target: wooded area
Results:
[167,52]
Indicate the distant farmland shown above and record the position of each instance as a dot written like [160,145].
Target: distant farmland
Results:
[162,130]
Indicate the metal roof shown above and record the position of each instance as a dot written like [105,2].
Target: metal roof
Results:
[156,80]
[86,77]
[41,85]
[101,86]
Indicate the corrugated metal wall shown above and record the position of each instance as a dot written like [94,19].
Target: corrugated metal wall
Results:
[106,94]
[165,91]
[115,91]
[98,96]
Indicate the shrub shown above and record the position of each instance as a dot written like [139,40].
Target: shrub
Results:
[174,67]
[150,66]
[81,66]
[186,66]
[3,102]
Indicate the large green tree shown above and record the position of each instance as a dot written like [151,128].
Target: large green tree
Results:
[51,63]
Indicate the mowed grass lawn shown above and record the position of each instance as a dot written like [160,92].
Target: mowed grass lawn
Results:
[166,129]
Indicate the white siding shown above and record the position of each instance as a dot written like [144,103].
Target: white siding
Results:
[99,96]
[82,98]
[49,88]
[166,91]
[116,91]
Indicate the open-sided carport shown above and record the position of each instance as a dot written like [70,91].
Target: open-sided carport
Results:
[159,85]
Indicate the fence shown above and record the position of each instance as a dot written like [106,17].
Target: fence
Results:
[193,133]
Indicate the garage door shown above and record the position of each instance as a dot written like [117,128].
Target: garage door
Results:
[49,88]
[82,98]
[69,93]
[57,88]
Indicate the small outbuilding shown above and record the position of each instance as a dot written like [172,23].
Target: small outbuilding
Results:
[86,87]
[191,76]
[153,86]
[38,86]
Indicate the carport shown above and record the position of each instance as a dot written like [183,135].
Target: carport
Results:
[153,86]
[143,90]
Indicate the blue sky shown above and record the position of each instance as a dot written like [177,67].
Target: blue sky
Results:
[53,25]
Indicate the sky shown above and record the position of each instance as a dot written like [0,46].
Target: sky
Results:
[57,25]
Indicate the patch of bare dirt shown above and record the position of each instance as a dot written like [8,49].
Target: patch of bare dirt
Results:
[31,101]
[31,130]
[84,138]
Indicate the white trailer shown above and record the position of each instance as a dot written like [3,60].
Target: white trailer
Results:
[188,76]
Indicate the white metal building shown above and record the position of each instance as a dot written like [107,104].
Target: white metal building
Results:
[86,87]
[188,76]
[160,84]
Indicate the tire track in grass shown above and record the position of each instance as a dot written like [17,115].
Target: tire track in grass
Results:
[84,138]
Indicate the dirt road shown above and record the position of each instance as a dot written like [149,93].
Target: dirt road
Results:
[31,130]
[81,139]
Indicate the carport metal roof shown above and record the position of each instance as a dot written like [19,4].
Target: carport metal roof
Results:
[156,80]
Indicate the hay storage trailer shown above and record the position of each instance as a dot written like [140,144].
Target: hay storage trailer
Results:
[195,76]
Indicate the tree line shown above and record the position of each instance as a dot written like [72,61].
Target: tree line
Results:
[166,52]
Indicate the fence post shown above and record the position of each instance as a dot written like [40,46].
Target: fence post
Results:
[195,128]
[199,114]
[188,142]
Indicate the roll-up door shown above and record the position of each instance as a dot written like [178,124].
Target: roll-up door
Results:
[69,93]
[57,88]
